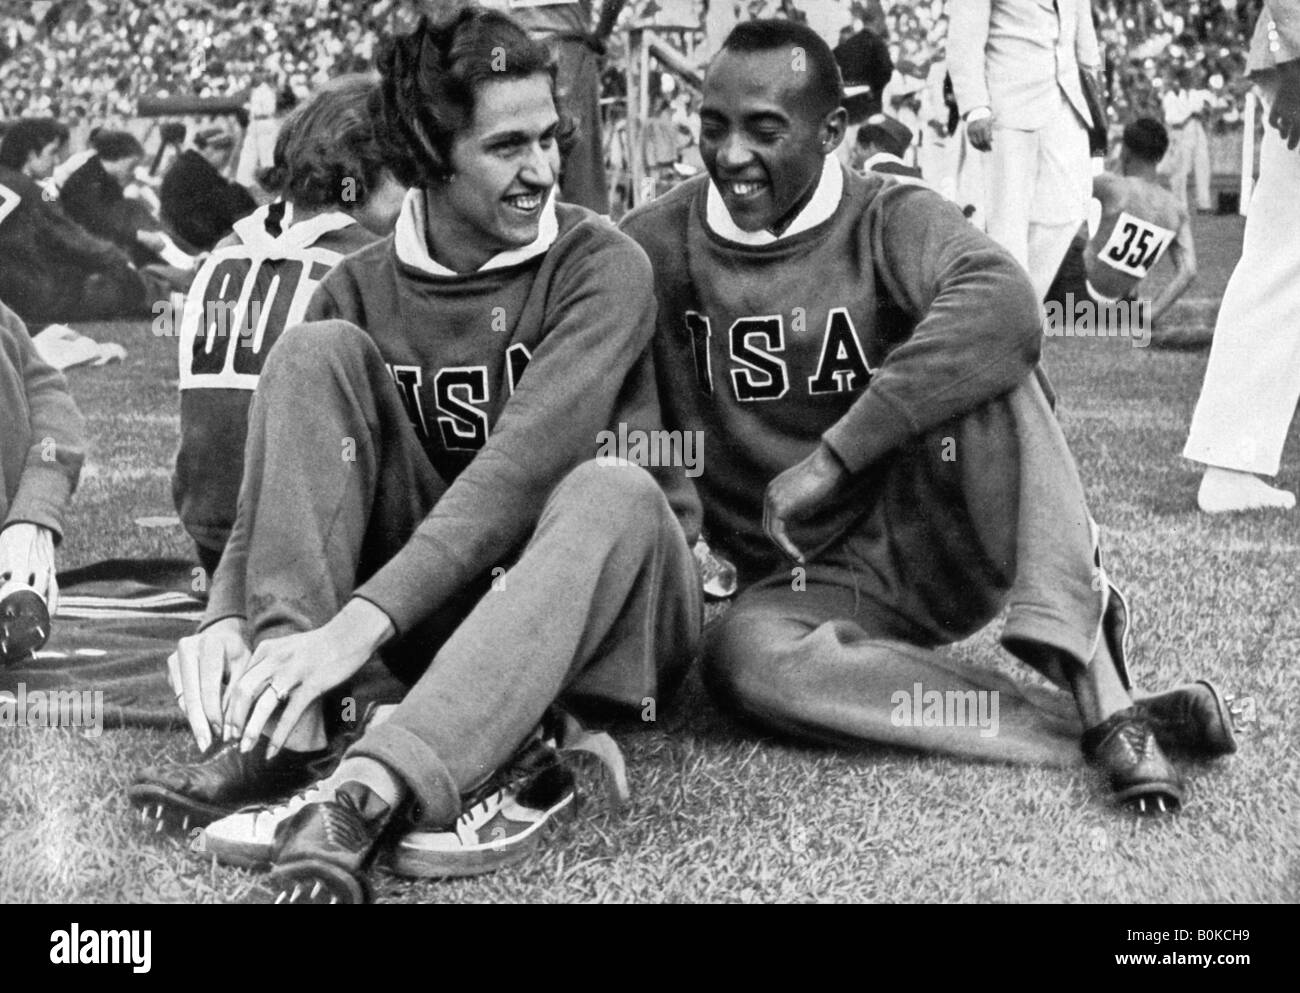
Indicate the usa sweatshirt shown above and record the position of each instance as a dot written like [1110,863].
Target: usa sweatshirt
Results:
[509,375]
[881,314]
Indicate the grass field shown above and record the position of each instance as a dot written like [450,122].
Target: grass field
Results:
[719,814]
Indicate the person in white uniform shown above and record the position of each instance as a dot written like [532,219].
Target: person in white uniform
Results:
[1252,381]
[1015,70]
[1184,108]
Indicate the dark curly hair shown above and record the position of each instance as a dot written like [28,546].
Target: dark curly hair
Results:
[326,154]
[113,146]
[1146,139]
[27,135]
[429,81]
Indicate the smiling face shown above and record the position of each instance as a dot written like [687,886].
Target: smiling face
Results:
[504,166]
[763,138]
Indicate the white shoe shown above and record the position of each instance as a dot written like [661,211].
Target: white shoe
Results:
[244,838]
[501,825]
[1227,490]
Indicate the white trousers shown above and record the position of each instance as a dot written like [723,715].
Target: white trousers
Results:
[1037,187]
[1189,155]
[1252,381]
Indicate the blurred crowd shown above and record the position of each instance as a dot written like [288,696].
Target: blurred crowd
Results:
[92,59]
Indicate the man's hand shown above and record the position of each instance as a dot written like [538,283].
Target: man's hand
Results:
[980,134]
[297,670]
[27,556]
[199,670]
[1285,115]
[799,492]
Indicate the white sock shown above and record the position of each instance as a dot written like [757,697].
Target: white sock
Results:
[367,771]
[1226,490]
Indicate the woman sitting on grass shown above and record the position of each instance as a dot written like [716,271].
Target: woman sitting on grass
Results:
[335,196]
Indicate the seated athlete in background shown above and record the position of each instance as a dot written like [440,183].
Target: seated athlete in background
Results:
[1140,221]
[336,196]
[53,269]
[881,143]
[94,196]
[863,365]
[41,451]
[420,483]
[196,200]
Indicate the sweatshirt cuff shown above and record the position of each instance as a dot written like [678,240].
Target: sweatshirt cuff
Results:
[223,602]
[414,583]
[41,498]
[871,429]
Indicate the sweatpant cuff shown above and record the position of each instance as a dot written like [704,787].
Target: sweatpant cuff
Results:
[416,764]
[1043,627]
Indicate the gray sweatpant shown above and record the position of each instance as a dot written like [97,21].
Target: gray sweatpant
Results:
[601,605]
[976,515]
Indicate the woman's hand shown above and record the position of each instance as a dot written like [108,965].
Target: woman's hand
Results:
[199,670]
[297,670]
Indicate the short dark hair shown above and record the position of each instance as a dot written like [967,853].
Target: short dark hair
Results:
[113,146]
[429,82]
[1146,139]
[28,135]
[325,142]
[772,34]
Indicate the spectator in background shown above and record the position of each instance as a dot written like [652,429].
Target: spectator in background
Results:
[53,269]
[1185,109]
[881,144]
[289,244]
[258,152]
[33,146]
[94,197]
[198,203]
[1015,71]
[41,451]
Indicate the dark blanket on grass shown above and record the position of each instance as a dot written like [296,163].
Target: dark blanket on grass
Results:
[117,622]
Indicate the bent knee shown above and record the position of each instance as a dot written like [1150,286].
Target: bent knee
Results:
[622,487]
[747,666]
[319,345]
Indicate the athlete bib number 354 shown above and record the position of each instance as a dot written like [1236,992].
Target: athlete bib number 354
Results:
[1135,245]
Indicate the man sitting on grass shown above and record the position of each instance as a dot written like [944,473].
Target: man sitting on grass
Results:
[881,460]
[1140,221]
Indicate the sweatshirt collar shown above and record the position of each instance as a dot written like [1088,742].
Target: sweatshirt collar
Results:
[413,249]
[825,201]
[293,236]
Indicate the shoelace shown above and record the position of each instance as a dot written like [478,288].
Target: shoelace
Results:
[1134,738]
[346,826]
[509,777]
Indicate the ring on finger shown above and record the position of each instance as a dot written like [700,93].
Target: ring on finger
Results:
[276,690]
